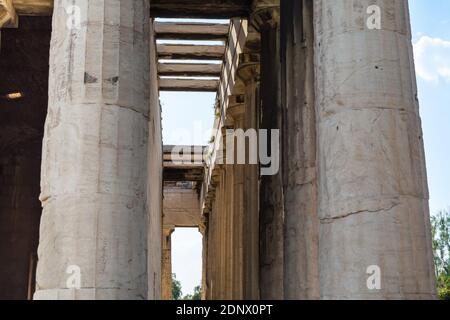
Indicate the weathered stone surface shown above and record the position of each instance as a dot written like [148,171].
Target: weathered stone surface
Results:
[94,190]
[248,78]
[271,188]
[191,31]
[181,207]
[34,7]
[201,9]
[166,275]
[301,224]
[236,114]
[351,192]
[373,197]
[154,180]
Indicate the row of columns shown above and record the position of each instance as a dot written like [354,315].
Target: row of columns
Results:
[351,193]
[347,214]
[250,245]
[353,200]
[232,243]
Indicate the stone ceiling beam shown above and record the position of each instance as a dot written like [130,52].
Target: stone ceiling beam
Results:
[183,174]
[212,9]
[189,69]
[188,85]
[191,31]
[33,7]
[190,52]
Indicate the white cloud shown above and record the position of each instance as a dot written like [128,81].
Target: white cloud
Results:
[432,57]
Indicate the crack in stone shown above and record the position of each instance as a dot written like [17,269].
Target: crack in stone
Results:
[331,220]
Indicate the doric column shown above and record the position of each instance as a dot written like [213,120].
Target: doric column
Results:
[155,183]
[227,221]
[248,73]
[203,229]
[214,258]
[236,112]
[166,276]
[265,18]
[373,199]
[93,242]
[221,202]
[301,241]
[229,231]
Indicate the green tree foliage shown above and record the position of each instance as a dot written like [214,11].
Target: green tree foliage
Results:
[176,288]
[197,295]
[440,227]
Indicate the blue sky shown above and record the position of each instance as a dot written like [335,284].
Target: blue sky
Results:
[431,38]
[188,117]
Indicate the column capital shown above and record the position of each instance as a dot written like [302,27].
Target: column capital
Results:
[249,67]
[203,226]
[216,174]
[236,107]
[168,230]
[265,14]
[8,15]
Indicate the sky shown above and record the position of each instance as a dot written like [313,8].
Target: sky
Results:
[188,118]
[431,38]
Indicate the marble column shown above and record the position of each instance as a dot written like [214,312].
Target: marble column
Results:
[214,258]
[265,18]
[248,73]
[203,229]
[236,112]
[228,222]
[230,258]
[375,238]
[93,238]
[301,241]
[166,270]
[221,241]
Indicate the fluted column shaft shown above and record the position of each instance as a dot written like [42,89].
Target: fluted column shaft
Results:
[373,196]
[94,221]
[265,17]
[301,270]
[236,112]
[166,270]
[248,73]
[227,240]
